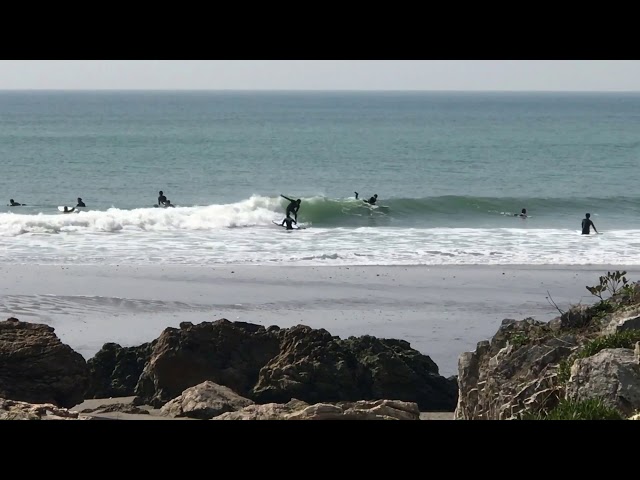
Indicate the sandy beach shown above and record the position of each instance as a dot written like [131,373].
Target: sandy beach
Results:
[442,311]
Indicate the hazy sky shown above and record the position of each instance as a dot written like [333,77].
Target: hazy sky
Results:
[555,75]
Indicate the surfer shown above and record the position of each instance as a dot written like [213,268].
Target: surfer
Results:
[293,207]
[288,221]
[80,203]
[371,201]
[587,224]
[68,210]
[169,204]
[14,204]
[161,198]
[522,214]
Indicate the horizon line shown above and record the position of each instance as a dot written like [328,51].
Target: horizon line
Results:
[303,90]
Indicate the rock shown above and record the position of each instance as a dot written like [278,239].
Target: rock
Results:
[622,320]
[36,367]
[114,371]
[16,410]
[277,365]
[117,407]
[229,354]
[611,375]
[360,410]
[314,366]
[514,373]
[205,401]
[637,351]
[269,411]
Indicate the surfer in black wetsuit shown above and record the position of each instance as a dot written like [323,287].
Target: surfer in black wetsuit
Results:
[288,221]
[293,207]
[80,203]
[161,199]
[14,204]
[522,214]
[587,224]
[371,201]
[68,210]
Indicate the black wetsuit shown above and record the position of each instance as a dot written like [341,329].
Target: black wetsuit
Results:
[371,201]
[81,204]
[289,221]
[586,225]
[161,200]
[292,208]
[15,204]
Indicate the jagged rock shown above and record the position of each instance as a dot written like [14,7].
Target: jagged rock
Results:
[229,354]
[317,367]
[114,371]
[205,401]
[612,375]
[268,411]
[276,365]
[117,407]
[513,373]
[16,410]
[296,410]
[36,367]
[627,318]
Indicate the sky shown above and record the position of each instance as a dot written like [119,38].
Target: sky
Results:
[434,75]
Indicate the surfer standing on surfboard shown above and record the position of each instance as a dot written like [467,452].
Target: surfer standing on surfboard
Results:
[293,207]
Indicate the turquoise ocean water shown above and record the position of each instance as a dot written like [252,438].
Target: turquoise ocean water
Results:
[450,170]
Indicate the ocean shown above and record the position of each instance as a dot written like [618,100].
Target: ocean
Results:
[451,170]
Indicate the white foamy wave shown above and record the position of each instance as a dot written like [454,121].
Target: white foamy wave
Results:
[251,212]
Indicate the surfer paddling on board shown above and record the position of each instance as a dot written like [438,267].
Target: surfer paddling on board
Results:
[371,201]
[293,207]
[522,214]
[15,204]
[68,210]
[288,221]
[587,224]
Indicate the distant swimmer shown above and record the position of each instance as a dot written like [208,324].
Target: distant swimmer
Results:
[15,204]
[371,201]
[293,207]
[587,224]
[288,221]
[80,203]
[161,199]
[522,214]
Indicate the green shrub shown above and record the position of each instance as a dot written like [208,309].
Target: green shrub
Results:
[593,409]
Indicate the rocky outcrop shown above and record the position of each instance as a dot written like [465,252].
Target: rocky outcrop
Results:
[114,371]
[229,354]
[529,366]
[205,401]
[275,365]
[36,367]
[513,373]
[612,375]
[16,410]
[316,367]
[298,410]
[117,407]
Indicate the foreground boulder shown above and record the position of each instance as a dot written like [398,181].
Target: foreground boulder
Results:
[205,401]
[298,410]
[36,367]
[612,375]
[15,410]
[276,365]
[114,371]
